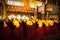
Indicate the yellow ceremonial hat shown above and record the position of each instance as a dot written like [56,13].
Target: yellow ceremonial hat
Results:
[40,23]
[5,25]
[51,23]
[29,23]
[16,23]
[46,23]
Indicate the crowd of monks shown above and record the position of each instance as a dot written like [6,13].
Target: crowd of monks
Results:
[28,29]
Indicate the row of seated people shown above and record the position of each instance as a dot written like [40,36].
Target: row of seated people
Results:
[27,29]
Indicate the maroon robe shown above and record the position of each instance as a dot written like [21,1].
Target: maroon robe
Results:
[40,33]
[5,33]
[18,33]
[47,30]
[30,33]
[55,29]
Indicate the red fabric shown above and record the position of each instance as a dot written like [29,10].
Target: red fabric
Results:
[40,33]
[47,30]
[5,33]
[55,29]
[18,33]
[30,32]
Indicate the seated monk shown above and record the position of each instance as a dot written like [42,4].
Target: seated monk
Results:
[5,32]
[18,31]
[30,30]
[51,26]
[39,31]
[47,29]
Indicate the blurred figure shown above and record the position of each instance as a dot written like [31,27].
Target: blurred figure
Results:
[30,30]
[57,23]
[51,26]
[39,31]
[1,26]
[46,28]
[5,32]
[55,27]
[35,25]
[23,24]
[18,31]
[11,26]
